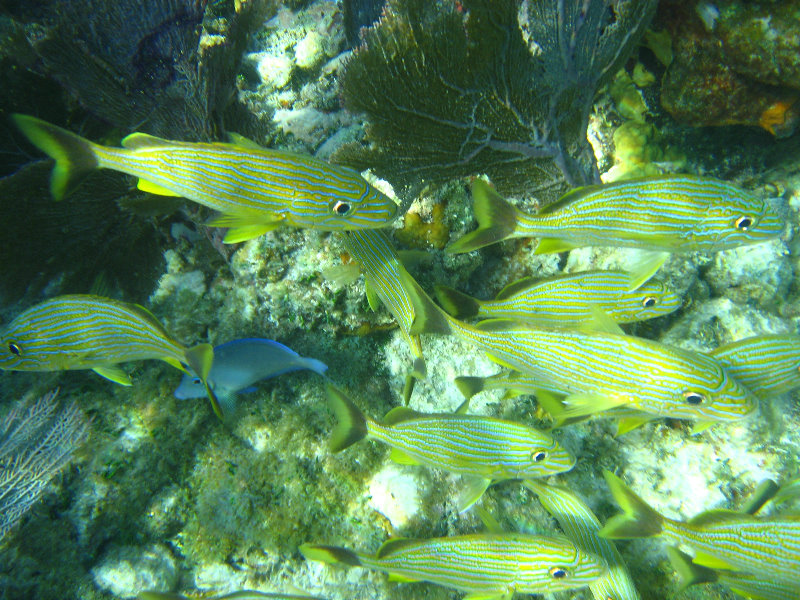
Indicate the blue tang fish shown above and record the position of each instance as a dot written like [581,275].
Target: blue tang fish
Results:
[239,364]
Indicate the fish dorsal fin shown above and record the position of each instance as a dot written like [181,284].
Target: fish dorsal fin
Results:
[113,373]
[717,516]
[137,141]
[568,198]
[155,188]
[239,140]
[515,287]
[399,414]
[488,520]
[393,545]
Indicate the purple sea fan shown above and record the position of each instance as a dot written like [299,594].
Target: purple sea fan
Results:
[37,439]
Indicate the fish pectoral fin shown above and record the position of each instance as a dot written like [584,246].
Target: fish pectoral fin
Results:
[155,188]
[474,489]
[402,458]
[245,226]
[701,426]
[113,373]
[644,267]
[551,245]
[579,405]
[712,562]
[488,520]
[397,578]
[342,275]
[600,320]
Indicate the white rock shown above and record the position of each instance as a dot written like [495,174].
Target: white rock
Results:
[128,570]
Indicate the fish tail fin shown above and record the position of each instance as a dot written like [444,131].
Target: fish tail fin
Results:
[469,386]
[315,365]
[332,555]
[497,220]
[75,156]
[458,304]
[351,424]
[638,519]
[200,358]
[428,317]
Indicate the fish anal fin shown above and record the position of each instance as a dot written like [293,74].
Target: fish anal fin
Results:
[579,405]
[712,562]
[113,373]
[155,188]
[487,596]
[402,458]
[645,266]
[552,245]
[397,578]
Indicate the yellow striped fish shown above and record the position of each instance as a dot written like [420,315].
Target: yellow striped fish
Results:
[721,539]
[767,364]
[599,370]
[484,450]
[759,586]
[386,280]
[668,213]
[92,332]
[581,526]
[240,595]
[489,566]
[254,189]
[566,300]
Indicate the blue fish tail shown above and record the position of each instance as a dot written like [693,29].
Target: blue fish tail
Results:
[75,156]
[351,424]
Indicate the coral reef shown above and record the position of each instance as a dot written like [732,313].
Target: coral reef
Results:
[735,62]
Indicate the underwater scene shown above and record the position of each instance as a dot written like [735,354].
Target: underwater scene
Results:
[400,299]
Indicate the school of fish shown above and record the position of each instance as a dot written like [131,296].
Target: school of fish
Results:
[528,329]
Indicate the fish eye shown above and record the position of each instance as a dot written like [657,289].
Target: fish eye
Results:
[539,456]
[694,398]
[649,301]
[341,208]
[14,348]
[558,572]
[197,381]
[743,223]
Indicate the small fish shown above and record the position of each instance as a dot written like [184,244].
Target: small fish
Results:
[490,566]
[482,449]
[92,332]
[721,539]
[768,365]
[668,213]
[581,526]
[240,595]
[239,364]
[254,189]
[600,370]
[386,280]
[753,586]
[566,300]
